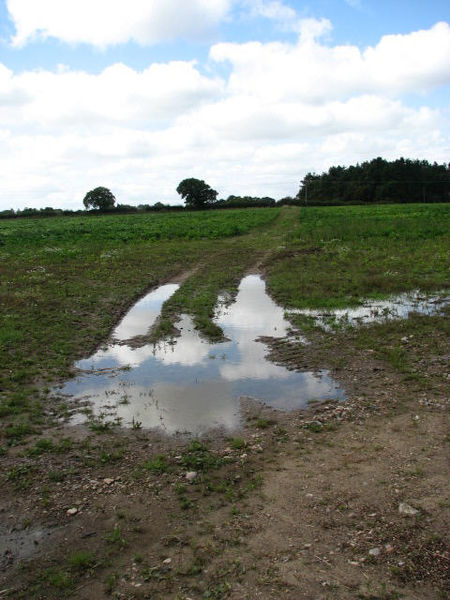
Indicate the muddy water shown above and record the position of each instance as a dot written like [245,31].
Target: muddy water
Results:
[372,311]
[190,385]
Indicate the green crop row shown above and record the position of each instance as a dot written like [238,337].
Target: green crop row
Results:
[64,232]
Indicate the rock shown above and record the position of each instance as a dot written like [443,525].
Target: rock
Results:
[108,481]
[389,548]
[167,561]
[374,552]
[72,511]
[407,510]
[191,475]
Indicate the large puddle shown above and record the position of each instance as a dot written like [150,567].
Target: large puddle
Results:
[190,385]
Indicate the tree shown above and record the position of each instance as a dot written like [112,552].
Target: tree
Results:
[196,193]
[100,198]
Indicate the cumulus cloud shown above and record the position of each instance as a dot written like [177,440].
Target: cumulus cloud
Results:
[281,110]
[313,71]
[106,22]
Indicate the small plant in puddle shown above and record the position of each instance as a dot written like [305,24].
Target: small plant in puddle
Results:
[136,424]
[99,425]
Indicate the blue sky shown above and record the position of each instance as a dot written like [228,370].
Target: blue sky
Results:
[246,94]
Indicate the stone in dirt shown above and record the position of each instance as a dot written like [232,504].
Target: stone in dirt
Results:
[72,511]
[374,551]
[407,510]
[191,475]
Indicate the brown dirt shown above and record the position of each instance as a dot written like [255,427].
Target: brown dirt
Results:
[303,505]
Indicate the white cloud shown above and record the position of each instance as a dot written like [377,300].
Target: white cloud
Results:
[106,22]
[283,109]
[314,72]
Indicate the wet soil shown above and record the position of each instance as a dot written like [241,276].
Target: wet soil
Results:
[302,505]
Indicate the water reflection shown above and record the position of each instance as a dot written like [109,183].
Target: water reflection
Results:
[191,385]
[144,313]
[377,311]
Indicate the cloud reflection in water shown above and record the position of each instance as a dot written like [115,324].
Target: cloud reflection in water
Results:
[191,385]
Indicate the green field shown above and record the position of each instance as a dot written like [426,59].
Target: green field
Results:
[66,281]
[341,255]
[118,502]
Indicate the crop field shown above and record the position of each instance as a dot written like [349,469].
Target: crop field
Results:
[78,232]
[65,282]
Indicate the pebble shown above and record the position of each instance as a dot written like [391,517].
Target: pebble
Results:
[108,481]
[389,548]
[374,552]
[407,510]
[72,511]
[191,475]
[167,561]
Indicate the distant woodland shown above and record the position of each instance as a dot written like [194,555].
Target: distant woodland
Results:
[378,181]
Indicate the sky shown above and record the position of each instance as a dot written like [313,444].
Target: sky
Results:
[248,95]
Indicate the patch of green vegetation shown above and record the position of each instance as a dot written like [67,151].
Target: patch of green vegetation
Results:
[115,538]
[199,458]
[20,476]
[237,443]
[341,255]
[158,464]
[82,560]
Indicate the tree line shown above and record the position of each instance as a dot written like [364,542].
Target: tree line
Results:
[378,181]
[375,181]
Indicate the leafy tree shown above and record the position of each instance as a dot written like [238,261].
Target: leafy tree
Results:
[196,193]
[100,198]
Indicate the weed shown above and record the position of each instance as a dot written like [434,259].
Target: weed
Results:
[159,464]
[115,537]
[111,582]
[82,560]
[199,458]
[20,476]
[238,443]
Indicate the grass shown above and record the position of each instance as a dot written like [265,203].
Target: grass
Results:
[68,281]
[339,256]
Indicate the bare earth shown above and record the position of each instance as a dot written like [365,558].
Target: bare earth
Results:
[297,505]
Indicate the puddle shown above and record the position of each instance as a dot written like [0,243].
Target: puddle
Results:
[19,544]
[144,313]
[396,307]
[190,385]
